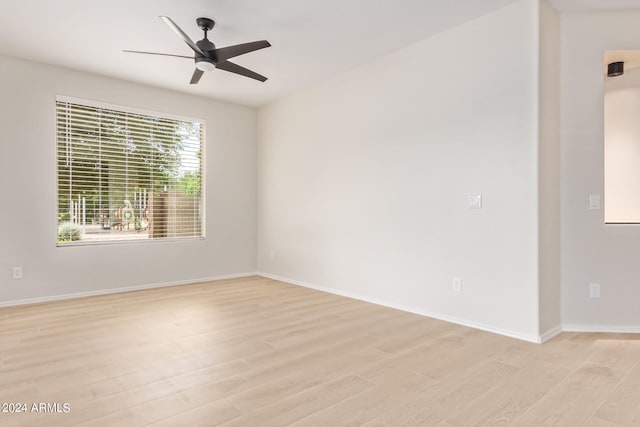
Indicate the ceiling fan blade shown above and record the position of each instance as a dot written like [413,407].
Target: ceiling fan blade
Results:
[229,52]
[182,34]
[154,53]
[196,76]
[237,69]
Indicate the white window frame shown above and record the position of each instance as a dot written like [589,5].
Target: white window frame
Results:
[140,111]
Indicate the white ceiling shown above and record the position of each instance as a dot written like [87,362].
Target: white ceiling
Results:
[311,40]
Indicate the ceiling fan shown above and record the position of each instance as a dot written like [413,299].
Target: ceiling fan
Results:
[207,56]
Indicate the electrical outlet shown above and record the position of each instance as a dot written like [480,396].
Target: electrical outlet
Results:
[474,201]
[594,202]
[16,273]
[594,290]
[456,285]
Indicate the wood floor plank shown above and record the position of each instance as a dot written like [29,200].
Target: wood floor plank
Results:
[369,404]
[414,334]
[207,415]
[599,422]
[300,405]
[502,405]
[433,405]
[623,405]
[622,354]
[574,399]
[567,349]
[168,407]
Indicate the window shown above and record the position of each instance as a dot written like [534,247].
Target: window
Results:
[127,175]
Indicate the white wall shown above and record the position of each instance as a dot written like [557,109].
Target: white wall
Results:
[28,203]
[591,250]
[363,180]
[549,169]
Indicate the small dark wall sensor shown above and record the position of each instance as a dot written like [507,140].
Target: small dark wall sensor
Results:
[615,69]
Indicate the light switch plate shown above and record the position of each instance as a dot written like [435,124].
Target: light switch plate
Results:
[475,201]
[456,285]
[594,201]
[594,290]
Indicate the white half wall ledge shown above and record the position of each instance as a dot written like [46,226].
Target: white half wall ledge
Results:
[536,339]
[122,290]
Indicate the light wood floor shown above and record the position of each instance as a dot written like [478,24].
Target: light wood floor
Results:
[257,352]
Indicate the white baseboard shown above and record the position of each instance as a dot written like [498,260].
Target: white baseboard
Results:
[601,328]
[551,333]
[452,319]
[119,290]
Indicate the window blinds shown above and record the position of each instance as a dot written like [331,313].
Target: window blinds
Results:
[127,175]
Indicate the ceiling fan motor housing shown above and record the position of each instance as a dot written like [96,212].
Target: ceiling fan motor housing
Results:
[206,45]
[206,62]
